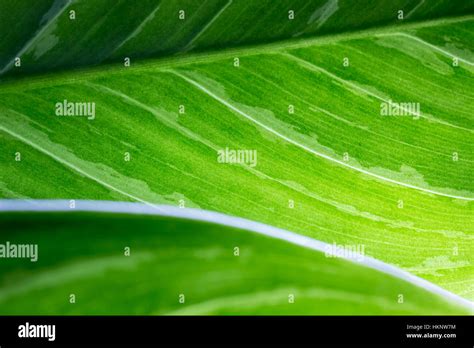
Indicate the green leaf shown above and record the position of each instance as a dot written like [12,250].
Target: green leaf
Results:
[181,266]
[327,162]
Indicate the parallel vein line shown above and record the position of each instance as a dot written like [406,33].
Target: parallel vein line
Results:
[207,26]
[137,29]
[449,54]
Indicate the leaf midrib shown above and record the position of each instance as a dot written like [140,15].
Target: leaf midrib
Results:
[84,73]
